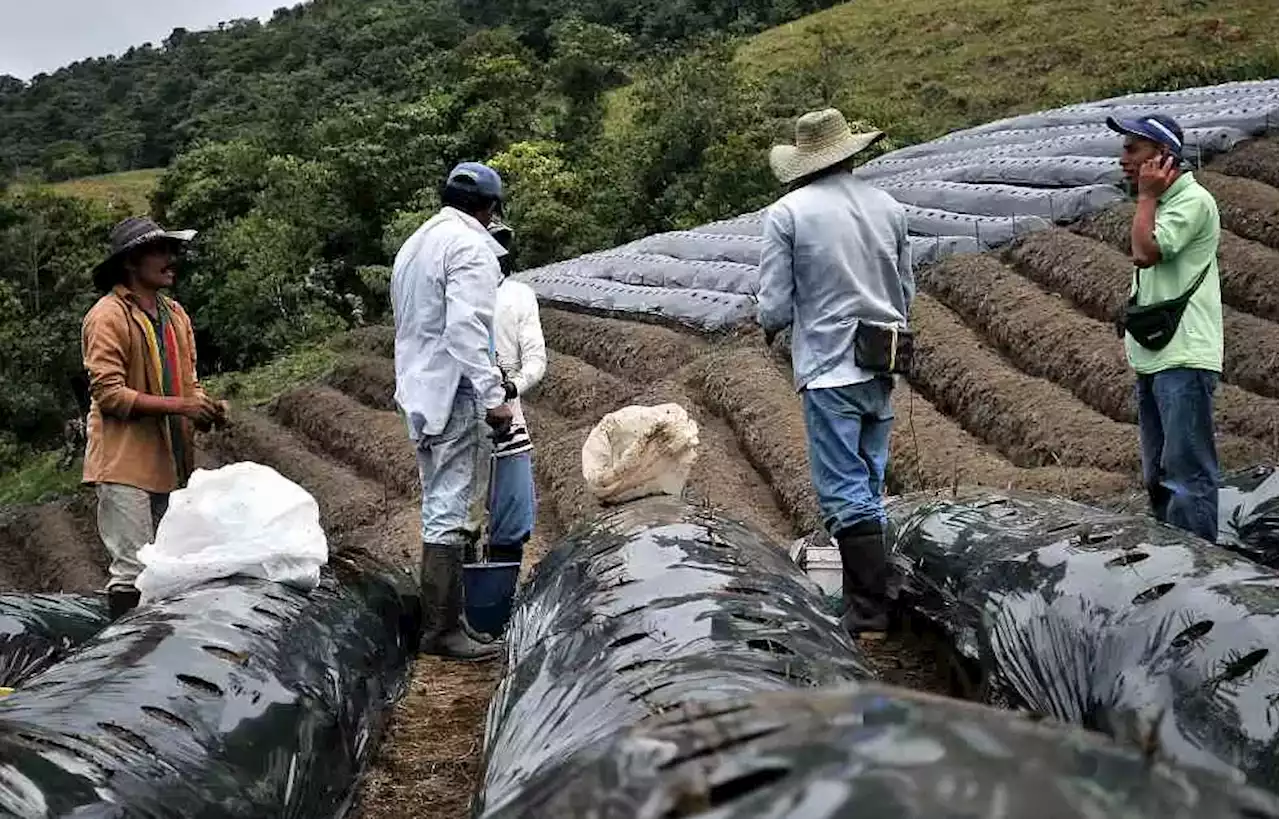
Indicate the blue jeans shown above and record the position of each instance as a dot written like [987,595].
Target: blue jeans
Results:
[1179,456]
[447,468]
[848,430]
[512,506]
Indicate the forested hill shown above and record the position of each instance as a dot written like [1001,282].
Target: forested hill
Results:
[247,78]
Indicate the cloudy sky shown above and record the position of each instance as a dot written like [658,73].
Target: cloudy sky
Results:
[42,35]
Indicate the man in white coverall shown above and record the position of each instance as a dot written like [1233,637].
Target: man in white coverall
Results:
[508,492]
[444,286]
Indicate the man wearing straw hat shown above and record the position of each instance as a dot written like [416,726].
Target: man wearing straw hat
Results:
[140,355]
[836,268]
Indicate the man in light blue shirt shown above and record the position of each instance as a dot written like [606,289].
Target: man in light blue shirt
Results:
[443,288]
[836,255]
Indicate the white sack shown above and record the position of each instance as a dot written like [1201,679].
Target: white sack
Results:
[243,519]
[640,451]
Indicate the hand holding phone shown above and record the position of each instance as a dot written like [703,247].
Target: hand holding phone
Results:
[1156,175]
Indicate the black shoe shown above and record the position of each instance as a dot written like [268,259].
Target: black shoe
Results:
[865,569]
[121,601]
[445,630]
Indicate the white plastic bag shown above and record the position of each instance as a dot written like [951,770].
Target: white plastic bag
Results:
[243,519]
[640,451]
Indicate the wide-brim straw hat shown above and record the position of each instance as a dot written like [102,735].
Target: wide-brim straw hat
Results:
[128,235]
[823,139]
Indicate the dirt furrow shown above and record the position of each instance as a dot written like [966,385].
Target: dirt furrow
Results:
[1096,279]
[1033,422]
[1044,338]
[557,463]
[346,500]
[1255,159]
[373,340]
[52,547]
[373,442]
[639,353]
[576,389]
[1247,208]
[371,380]
[1246,270]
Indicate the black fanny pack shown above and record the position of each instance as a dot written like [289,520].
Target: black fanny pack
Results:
[883,348]
[1154,325]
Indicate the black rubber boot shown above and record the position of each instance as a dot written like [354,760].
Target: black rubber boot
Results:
[445,631]
[865,567]
[122,600]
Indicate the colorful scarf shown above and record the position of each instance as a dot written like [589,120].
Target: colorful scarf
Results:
[163,349]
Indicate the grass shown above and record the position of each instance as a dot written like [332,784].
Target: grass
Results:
[919,70]
[38,480]
[132,189]
[262,384]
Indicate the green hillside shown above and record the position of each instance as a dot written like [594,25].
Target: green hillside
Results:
[127,190]
[919,69]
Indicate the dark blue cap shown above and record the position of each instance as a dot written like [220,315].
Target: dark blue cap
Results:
[1158,128]
[478,178]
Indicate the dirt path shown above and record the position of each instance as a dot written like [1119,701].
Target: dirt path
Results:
[52,547]
[1255,159]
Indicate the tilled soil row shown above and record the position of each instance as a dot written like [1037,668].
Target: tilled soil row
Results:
[1246,270]
[52,547]
[374,340]
[373,442]
[576,389]
[1247,208]
[1255,159]
[1033,422]
[557,463]
[1042,337]
[369,379]
[1096,279]
[347,501]
[643,353]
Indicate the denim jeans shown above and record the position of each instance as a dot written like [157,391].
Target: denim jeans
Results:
[447,468]
[512,505]
[1179,456]
[848,431]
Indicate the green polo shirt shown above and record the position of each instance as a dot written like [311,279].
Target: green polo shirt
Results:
[1187,233]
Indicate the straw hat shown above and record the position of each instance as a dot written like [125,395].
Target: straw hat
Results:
[823,138]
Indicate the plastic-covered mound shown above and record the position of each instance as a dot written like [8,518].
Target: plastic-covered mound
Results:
[37,630]
[652,606]
[240,698]
[1110,621]
[1249,514]
[969,191]
[870,752]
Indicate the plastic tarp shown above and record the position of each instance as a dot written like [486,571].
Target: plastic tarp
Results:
[1249,514]
[38,630]
[1110,621]
[969,191]
[699,309]
[654,605]
[240,698]
[870,752]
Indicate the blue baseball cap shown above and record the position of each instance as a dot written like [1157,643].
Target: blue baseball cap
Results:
[1158,128]
[478,178]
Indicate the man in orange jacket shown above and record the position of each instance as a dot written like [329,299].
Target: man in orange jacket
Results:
[140,355]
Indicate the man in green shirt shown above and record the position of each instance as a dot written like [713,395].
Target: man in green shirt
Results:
[1174,242]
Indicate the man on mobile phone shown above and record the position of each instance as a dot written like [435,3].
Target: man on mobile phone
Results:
[836,268]
[1173,326]
[444,285]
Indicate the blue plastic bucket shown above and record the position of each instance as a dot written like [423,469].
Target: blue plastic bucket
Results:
[489,590]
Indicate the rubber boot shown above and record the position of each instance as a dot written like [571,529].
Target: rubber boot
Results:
[121,600]
[445,631]
[865,568]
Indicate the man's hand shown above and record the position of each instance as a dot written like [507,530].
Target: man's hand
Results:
[202,410]
[499,417]
[1156,175]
